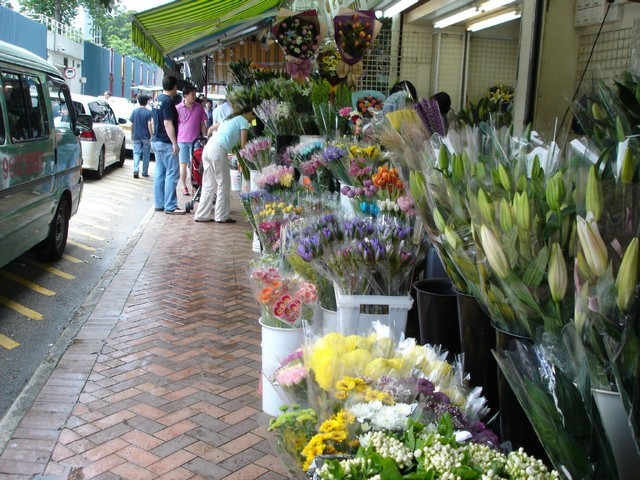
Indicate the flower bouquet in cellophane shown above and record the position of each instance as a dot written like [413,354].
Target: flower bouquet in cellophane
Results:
[284,297]
[270,213]
[354,32]
[299,35]
[367,391]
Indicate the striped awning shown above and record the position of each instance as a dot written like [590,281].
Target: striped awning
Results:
[184,27]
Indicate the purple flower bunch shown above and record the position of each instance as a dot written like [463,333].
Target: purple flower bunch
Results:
[429,112]
[337,160]
[363,256]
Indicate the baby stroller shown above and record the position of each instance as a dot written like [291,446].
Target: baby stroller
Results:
[196,171]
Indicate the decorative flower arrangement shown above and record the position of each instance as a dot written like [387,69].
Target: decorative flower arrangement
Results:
[431,451]
[285,299]
[299,35]
[364,105]
[365,389]
[257,153]
[354,33]
[363,256]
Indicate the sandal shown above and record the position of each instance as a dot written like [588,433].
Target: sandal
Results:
[228,220]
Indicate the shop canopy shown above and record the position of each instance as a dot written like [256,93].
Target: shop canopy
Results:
[186,27]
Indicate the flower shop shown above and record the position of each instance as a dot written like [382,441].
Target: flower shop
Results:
[445,290]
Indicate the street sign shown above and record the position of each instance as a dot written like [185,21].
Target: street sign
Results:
[70,73]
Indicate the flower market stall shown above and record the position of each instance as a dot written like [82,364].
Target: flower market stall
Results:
[350,189]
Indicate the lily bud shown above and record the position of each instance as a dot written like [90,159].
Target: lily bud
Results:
[536,169]
[557,273]
[627,170]
[522,210]
[457,168]
[494,253]
[596,112]
[555,191]
[485,206]
[443,160]
[522,183]
[452,237]
[505,179]
[593,247]
[438,220]
[506,215]
[594,194]
[480,170]
[620,130]
[627,276]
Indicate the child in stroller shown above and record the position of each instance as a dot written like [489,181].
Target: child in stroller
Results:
[196,171]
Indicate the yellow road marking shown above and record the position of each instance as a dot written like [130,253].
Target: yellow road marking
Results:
[7,343]
[93,225]
[81,245]
[33,286]
[86,234]
[50,269]
[27,312]
[72,259]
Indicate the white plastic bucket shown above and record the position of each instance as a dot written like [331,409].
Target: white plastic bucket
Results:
[236,181]
[277,344]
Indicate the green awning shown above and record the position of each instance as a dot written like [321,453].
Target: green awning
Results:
[183,26]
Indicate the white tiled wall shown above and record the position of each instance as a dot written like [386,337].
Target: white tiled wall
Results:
[447,71]
[491,62]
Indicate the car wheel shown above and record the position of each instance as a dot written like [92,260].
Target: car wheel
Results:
[100,171]
[52,248]
[123,153]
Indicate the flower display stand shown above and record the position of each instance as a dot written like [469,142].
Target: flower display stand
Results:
[616,426]
[350,320]
[276,344]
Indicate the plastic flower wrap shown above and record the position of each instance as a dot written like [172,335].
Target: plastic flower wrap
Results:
[257,153]
[363,256]
[270,215]
[607,279]
[277,178]
[299,35]
[291,377]
[289,433]
[354,32]
[285,298]
[307,158]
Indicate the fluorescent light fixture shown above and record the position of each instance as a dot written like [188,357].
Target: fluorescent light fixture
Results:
[399,7]
[456,17]
[470,12]
[497,20]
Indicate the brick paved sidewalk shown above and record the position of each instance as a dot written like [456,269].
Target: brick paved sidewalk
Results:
[160,382]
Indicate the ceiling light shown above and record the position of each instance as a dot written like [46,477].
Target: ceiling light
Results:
[490,22]
[399,7]
[470,12]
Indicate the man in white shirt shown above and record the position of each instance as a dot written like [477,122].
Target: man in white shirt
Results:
[220,113]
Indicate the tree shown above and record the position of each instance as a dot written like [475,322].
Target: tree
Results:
[64,11]
[116,34]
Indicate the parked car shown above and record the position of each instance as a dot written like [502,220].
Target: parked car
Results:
[41,181]
[105,143]
[123,107]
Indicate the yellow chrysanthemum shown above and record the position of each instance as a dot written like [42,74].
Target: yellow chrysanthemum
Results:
[356,361]
[353,342]
[380,367]
[322,363]
[286,180]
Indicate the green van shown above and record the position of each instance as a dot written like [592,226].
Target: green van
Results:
[41,176]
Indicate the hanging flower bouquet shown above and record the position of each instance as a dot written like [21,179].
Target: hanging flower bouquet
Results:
[285,299]
[299,35]
[355,31]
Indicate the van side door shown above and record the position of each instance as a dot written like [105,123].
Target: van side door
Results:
[28,163]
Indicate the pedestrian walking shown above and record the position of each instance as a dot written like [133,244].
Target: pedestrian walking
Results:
[216,178]
[141,131]
[192,123]
[165,147]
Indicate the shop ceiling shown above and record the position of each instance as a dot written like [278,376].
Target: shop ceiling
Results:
[185,29]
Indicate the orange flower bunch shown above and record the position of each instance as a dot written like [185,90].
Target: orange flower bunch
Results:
[387,179]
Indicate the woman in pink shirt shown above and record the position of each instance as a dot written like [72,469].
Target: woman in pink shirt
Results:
[192,123]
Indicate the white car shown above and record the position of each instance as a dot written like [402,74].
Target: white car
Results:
[123,107]
[105,144]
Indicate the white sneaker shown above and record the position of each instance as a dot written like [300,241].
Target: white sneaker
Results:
[177,211]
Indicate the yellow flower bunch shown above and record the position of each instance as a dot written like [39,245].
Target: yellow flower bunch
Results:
[330,439]
[348,386]
[370,153]
[279,209]
[402,117]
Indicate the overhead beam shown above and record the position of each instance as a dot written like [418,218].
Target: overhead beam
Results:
[428,8]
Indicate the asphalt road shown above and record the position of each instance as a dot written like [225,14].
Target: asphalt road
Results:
[42,305]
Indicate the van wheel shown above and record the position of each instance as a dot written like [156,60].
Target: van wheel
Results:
[123,153]
[52,248]
[100,171]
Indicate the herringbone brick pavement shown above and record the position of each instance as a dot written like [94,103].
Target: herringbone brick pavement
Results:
[161,381]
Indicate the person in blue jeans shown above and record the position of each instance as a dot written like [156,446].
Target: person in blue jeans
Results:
[165,147]
[141,136]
